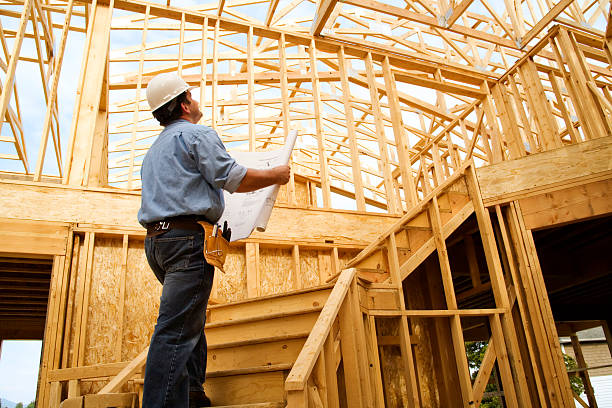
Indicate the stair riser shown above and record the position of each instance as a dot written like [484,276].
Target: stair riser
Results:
[254,355]
[249,388]
[287,304]
[285,327]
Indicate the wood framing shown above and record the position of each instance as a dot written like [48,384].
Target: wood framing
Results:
[444,147]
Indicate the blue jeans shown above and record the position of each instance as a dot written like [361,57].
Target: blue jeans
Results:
[176,363]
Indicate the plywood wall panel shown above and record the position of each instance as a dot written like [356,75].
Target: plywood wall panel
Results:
[231,285]
[276,270]
[104,322]
[422,330]
[283,195]
[302,194]
[391,364]
[142,292]
[309,268]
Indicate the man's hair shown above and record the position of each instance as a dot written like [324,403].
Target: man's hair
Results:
[170,111]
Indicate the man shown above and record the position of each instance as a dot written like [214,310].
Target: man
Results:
[183,174]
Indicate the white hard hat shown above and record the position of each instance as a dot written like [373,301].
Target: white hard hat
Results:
[165,87]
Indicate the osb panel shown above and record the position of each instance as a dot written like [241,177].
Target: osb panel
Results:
[325,265]
[281,198]
[142,292]
[276,270]
[392,366]
[103,314]
[301,194]
[393,377]
[422,330]
[231,285]
[309,268]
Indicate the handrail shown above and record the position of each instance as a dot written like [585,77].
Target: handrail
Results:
[124,375]
[419,207]
[298,377]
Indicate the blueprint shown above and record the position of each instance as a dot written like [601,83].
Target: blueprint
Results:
[245,212]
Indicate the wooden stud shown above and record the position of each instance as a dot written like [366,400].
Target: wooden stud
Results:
[251,91]
[88,103]
[350,121]
[381,138]
[252,269]
[520,297]
[83,307]
[52,98]
[467,393]
[215,79]
[401,141]
[321,142]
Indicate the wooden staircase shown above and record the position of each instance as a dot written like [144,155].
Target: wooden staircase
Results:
[286,349]
[253,344]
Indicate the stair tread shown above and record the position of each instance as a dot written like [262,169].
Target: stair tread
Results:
[258,340]
[257,405]
[264,317]
[249,370]
[268,297]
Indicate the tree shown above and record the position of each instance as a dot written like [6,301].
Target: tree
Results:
[475,351]
[19,405]
[575,380]
[30,405]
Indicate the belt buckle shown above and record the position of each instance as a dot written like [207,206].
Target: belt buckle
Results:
[162,225]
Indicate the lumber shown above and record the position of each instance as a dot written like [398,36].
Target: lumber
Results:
[434,138]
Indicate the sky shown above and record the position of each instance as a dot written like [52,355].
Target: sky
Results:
[19,361]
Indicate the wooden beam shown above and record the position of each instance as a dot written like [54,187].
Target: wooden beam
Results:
[73,205]
[324,10]
[547,171]
[544,21]
[431,21]
[458,12]
[568,205]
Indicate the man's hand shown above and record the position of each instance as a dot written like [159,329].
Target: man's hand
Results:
[282,174]
[254,179]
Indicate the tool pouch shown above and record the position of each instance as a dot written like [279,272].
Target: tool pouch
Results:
[215,247]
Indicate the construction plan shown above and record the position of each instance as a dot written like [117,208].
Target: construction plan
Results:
[245,212]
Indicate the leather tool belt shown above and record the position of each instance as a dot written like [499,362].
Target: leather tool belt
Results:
[215,246]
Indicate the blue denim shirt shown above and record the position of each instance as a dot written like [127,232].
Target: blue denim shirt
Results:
[184,172]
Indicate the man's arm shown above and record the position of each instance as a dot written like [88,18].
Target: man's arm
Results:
[254,179]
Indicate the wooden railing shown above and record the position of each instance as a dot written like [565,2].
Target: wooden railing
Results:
[118,373]
[313,378]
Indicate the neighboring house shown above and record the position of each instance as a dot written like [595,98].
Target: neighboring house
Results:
[596,353]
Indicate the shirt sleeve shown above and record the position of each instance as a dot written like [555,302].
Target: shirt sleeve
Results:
[215,164]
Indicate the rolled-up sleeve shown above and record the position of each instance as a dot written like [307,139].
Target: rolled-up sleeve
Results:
[215,164]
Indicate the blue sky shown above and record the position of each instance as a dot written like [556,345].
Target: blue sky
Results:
[19,363]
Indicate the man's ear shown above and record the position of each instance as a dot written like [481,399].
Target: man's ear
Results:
[185,107]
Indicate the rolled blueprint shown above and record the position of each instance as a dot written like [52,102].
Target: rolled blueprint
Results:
[245,212]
